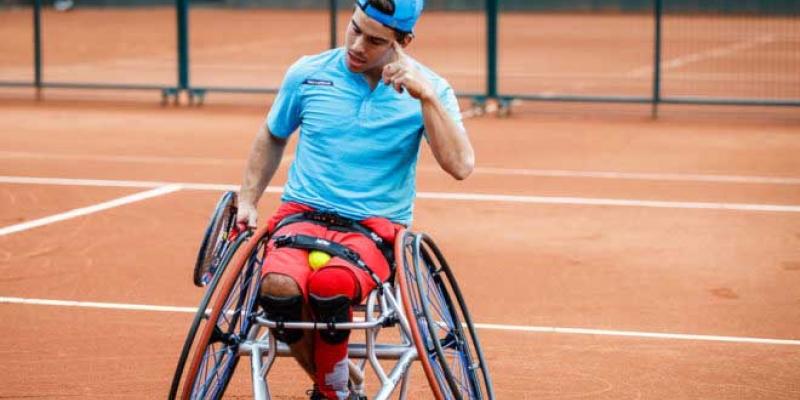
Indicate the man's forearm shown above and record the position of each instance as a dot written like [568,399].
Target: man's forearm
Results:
[449,143]
[264,159]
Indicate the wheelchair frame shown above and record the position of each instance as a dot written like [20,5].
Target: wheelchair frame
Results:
[382,309]
[387,306]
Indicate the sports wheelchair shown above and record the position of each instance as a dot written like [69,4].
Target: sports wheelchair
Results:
[422,300]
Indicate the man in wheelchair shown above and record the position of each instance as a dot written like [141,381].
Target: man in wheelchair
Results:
[362,111]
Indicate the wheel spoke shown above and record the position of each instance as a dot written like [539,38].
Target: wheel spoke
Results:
[218,355]
[446,335]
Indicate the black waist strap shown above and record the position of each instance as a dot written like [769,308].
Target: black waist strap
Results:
[337,222]
[307,242]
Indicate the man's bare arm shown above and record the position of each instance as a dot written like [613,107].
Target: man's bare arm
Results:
[264,159]
[449,142]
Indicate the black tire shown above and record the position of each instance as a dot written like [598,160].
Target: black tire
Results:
[216,239]
[456,365]
[200,316]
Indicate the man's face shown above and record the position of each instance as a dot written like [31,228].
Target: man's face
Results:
[368,43]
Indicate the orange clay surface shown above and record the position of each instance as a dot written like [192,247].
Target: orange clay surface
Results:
[521,264]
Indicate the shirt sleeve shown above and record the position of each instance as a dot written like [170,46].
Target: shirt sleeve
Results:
[448,99]
[285,115]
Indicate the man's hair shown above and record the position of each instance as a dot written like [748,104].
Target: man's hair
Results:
[400,36]
[387,7]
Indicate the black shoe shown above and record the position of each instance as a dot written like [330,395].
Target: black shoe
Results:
[354,395]
[315,394]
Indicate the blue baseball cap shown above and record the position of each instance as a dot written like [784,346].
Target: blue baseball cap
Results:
[401,16]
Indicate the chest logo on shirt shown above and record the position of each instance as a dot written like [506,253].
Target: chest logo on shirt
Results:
[317,82]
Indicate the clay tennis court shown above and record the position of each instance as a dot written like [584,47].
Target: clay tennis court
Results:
[604,255]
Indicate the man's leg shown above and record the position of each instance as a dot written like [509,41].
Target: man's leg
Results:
[331,292]
[281,298]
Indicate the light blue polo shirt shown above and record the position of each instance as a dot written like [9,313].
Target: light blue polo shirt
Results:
[358,148]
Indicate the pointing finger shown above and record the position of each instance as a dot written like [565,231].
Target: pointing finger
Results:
[388,71]
[398,49]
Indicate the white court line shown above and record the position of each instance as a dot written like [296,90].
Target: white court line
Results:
[579,201]
[636,334]
[607,202]
[682,61]
[89,210]
[132,159]
[776,180]
[497,327]
[216,187]
[92,304]
[712,53]
[479,170]
[122,159]
[80,182]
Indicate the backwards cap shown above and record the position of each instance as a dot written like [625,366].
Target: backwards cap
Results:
[401,17]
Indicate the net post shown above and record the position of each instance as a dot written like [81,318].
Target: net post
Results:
[37,47]
[491,48]
[657,15]
[334,10]
[182,12]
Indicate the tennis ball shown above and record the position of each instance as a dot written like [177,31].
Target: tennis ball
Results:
[317,259]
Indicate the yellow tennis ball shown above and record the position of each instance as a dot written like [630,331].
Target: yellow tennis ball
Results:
[317,259]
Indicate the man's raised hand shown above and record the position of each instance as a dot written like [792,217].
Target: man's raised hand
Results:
[402,74]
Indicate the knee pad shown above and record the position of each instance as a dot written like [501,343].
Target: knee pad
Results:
[283,309]
[334,309]
[333,281]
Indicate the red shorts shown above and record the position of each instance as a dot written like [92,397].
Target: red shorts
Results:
[294,262]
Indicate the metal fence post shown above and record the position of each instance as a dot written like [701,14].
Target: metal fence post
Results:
[491,48]
[37,47]
[334,12]
[657,12]
[182,11]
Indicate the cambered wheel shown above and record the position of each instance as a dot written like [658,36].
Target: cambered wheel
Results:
[219,235]
[201,316]
[216,353]
[444,334]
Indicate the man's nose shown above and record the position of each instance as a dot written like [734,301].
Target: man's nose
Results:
[358,46]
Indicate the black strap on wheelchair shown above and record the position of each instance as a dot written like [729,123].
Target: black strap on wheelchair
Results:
[307,242]
[338,223]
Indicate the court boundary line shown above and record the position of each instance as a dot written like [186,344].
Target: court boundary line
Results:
[132,159]
[720,51]
[78,212]
[644,176]
[453,196]
[676,62]
[497,327]
[537,172]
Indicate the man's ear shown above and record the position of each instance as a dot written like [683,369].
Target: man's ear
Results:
[407,40]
